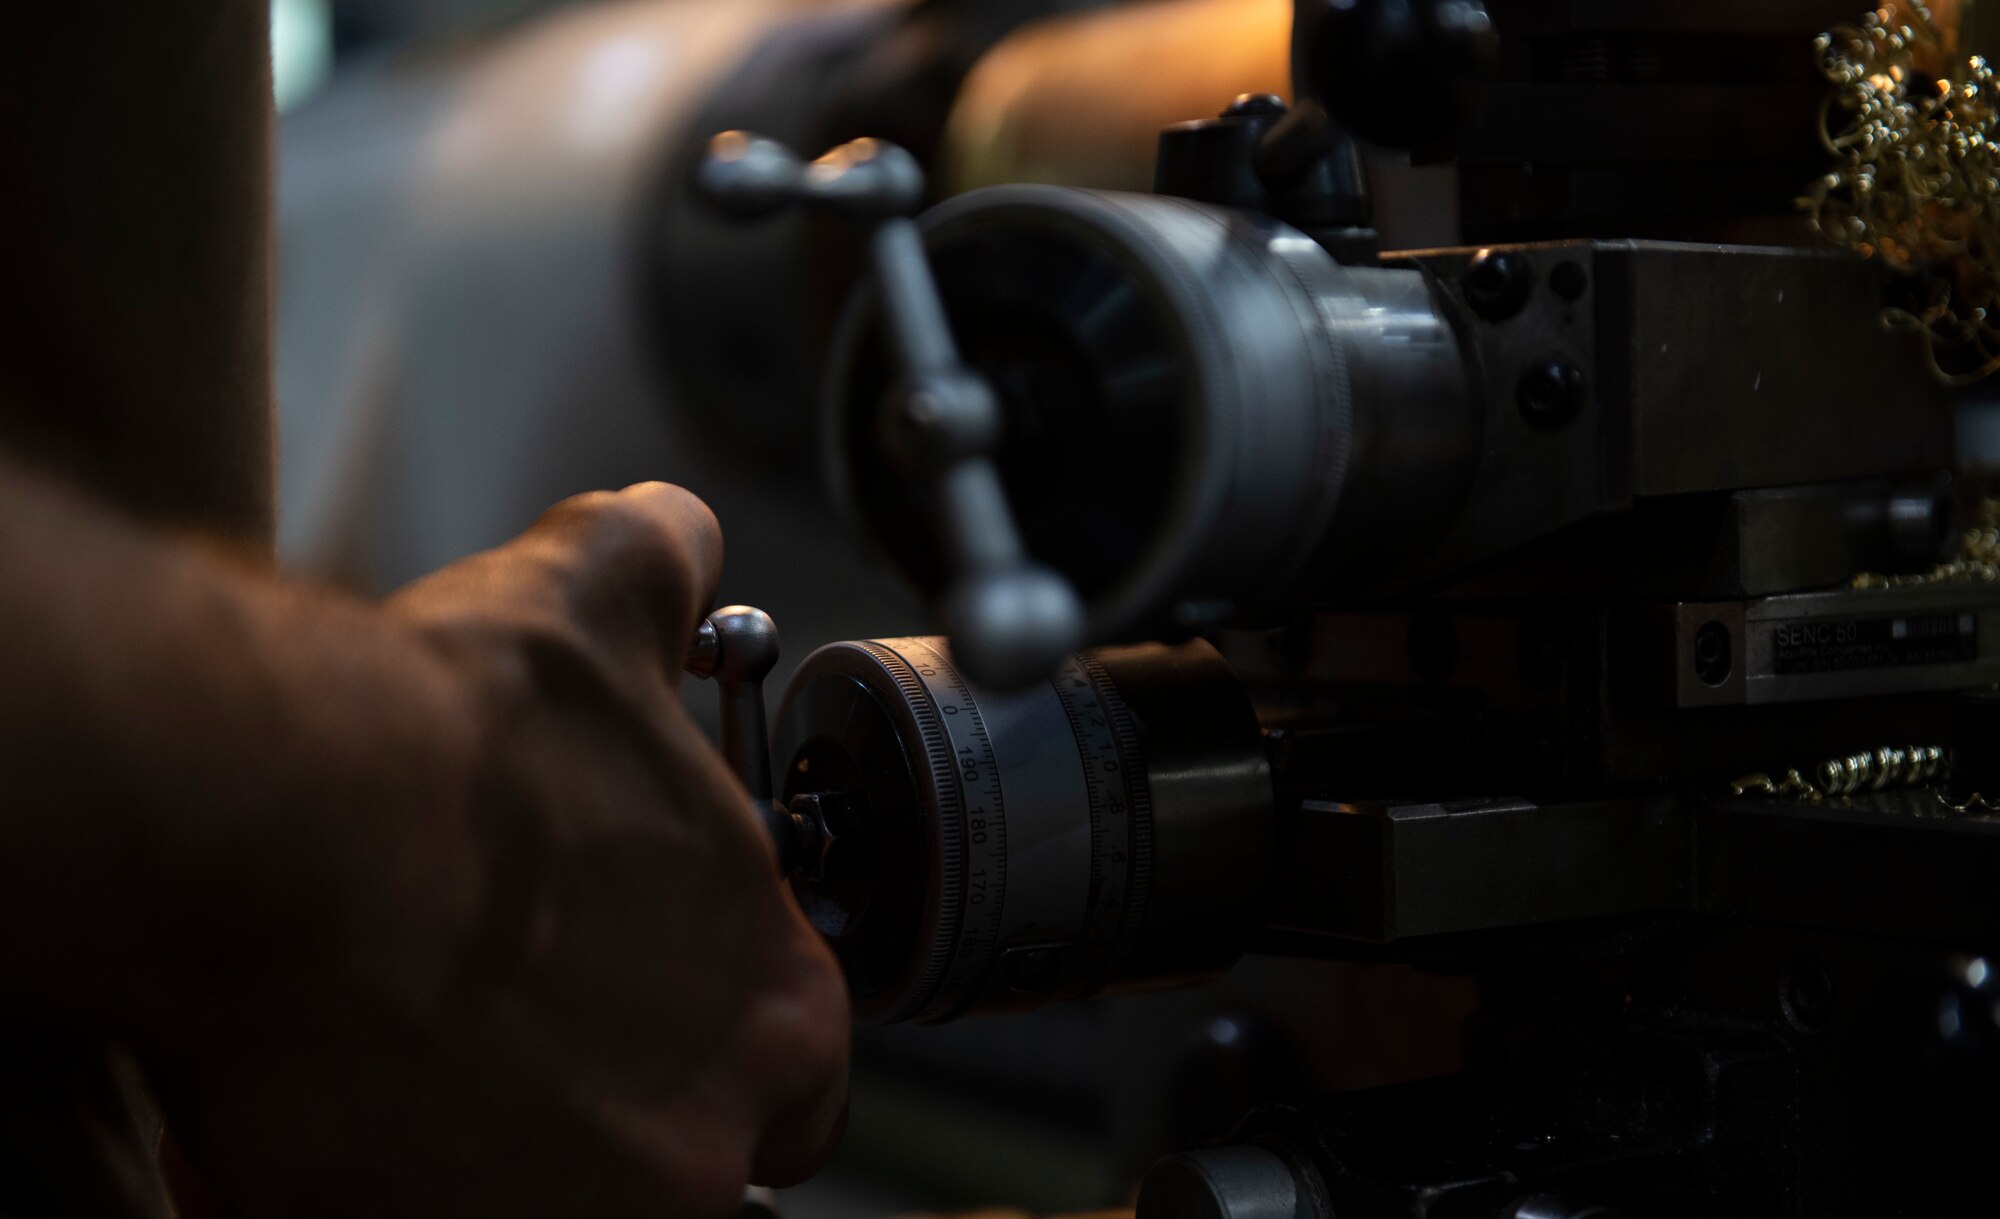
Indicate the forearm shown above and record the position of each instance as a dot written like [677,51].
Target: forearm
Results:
[206,772]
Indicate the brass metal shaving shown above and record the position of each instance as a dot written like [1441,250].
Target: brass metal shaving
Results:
[1973,805]
[1835,780]
[1869,771]
[1955,571]
[1915,133]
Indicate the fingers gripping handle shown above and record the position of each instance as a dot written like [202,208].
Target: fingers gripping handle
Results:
[737,647]
[1011,620]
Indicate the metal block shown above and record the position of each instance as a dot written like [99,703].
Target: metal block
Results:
[1382,873]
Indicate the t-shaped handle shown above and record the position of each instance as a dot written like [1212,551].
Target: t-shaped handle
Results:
[1011,620]
[737,647]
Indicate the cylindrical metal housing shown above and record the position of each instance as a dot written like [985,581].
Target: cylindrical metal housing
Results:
[1206,415]
[1108,829]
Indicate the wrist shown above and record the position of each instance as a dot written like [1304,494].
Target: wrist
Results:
[340,862]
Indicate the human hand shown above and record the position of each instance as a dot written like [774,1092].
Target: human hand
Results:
[575,985]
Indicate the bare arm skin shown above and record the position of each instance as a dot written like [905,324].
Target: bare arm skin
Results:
[442,907]
[166,715]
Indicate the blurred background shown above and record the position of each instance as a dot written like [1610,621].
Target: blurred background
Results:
[495,293]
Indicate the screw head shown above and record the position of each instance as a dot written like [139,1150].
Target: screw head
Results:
[1551,393]
[834,834]
[1248,105]
[1968,1018]
[1713,655]
[1569,281]
[1496,284]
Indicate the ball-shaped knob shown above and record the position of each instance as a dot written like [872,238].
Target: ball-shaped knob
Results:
[736,644]
[748,177]
[870,180]
[1012,628]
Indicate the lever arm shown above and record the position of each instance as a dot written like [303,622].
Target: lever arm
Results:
[737,647]
[1011,620]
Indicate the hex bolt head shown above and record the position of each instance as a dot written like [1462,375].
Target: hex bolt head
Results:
[1249,104]
[1497,283]
[833,836]
[1569,280]
[1714,658]
[1551,393]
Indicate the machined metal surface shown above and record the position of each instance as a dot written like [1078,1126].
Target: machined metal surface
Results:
[1011,618]
[1848,643]
[1382,873]
[1206,417]
[1704,371]
[1556,538]
[1245,1182]
[1104,829]
[1455,874]
[1199,402]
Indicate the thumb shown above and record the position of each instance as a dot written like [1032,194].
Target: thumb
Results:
[637,568]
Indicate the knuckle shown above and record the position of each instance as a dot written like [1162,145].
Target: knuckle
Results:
[521,658]
[581,510]
[667,497]
[807,1020]
[677,513]
[655,539]
[820,1045]
[613,522]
